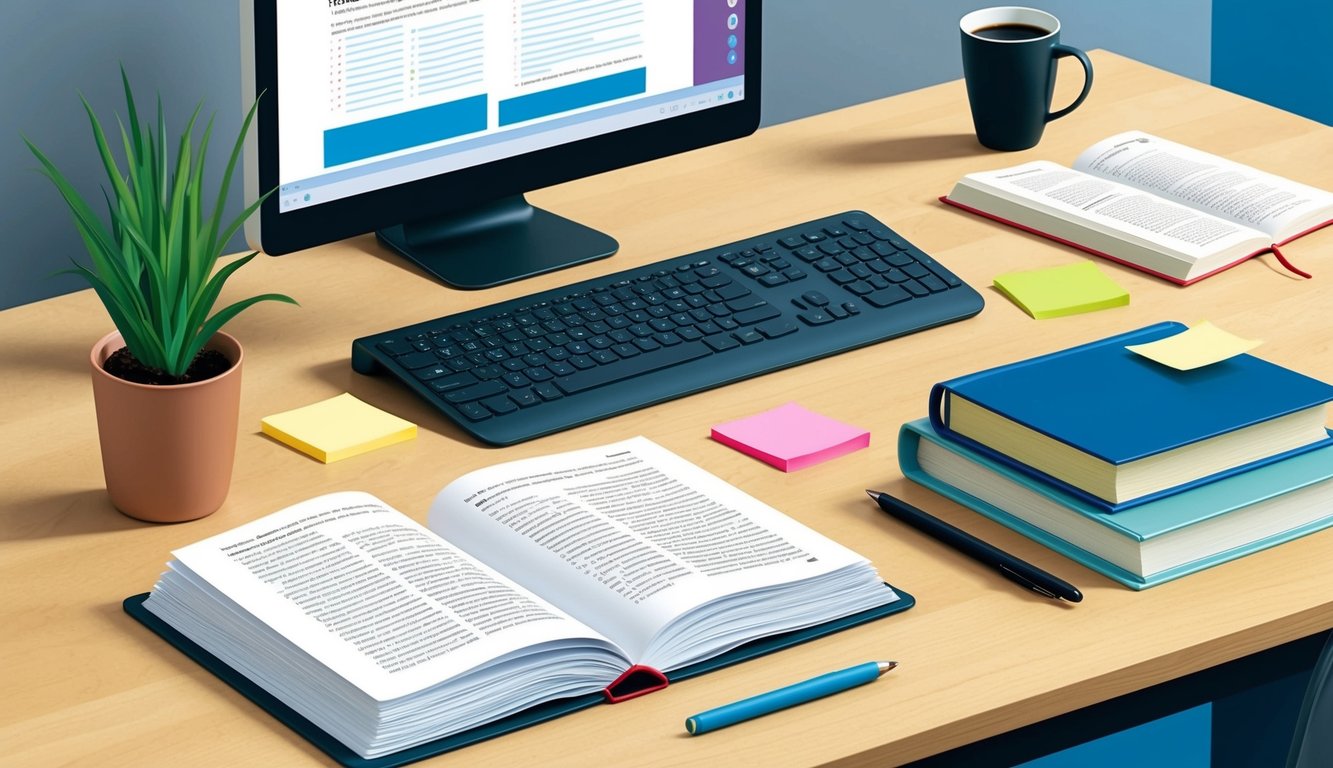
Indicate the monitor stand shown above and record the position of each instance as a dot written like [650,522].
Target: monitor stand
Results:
[496,243]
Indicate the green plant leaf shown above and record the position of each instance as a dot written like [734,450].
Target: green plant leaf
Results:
[225,315]
[153,257]
[214,244]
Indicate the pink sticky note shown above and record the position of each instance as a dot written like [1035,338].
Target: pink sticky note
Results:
[790,437]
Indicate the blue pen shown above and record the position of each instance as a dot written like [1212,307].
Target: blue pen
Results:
[789,696]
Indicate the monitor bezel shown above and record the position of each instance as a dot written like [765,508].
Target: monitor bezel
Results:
[275,232]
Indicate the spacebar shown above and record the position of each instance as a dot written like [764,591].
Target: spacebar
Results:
[634,366]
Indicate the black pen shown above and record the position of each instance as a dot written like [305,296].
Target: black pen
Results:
[1010,567]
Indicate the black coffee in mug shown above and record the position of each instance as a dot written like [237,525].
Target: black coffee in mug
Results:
[1009,62]
[1011,32]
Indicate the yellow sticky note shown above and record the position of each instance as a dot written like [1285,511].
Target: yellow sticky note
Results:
[1203,344]
[1060,291]
[337,428]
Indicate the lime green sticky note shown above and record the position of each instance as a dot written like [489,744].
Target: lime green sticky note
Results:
[1060,291]
[337,428]
[1203,344]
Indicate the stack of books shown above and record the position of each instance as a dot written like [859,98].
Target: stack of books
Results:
[1137,470]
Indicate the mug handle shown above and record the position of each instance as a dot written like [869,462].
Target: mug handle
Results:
[1060,51]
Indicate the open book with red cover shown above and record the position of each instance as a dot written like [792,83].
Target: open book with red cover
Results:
[1161,207]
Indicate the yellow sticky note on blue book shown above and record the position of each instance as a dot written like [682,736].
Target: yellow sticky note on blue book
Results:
[1203,344]
[1059,291]
[337,428]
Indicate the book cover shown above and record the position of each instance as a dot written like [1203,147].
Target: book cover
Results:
[1110,403]
[540,713]
[1145,546]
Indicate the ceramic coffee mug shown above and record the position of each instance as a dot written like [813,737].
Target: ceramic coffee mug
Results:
[1009,60]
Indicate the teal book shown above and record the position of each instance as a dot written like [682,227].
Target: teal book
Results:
[1117,429]
[1140,547]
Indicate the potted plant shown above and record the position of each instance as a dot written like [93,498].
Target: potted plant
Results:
[166,382]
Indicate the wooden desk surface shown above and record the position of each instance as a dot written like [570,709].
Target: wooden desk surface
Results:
[82,684]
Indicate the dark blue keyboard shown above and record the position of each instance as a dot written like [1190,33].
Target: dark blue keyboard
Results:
[553,360]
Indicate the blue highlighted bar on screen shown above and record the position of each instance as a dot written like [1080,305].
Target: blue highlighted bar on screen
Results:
[567,97]
[404,130]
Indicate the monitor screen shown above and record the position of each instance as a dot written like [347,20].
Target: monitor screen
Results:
[426,120]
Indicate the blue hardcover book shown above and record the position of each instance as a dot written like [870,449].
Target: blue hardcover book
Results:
[1117,429]
[1140,547]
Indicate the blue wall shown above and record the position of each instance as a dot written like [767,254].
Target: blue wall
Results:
[1279,52]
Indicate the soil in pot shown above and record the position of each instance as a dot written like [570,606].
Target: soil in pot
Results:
[207,364]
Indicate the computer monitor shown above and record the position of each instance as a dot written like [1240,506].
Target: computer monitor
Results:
[427,120]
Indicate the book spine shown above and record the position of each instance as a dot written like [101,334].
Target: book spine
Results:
[908,441]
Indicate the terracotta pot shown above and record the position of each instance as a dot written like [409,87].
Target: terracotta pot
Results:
[167,451]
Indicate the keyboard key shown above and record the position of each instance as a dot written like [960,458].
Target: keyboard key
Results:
[915,288]
[721,342]
[793,274]
[548,391]
[500,405]
[524,398]
[416,360]
[776,328]
[815,317]
[453,381]
[757,315]
[394,347]
[934,284]
[887,297]
[746,302]
[435,371]
[474,411]
[476,391]
[733,291]
[748,336]
[625,369]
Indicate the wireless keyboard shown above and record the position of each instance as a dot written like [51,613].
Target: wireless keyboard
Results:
[553,360]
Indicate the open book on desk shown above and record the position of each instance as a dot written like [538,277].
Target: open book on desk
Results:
[1152,204]
[537,584]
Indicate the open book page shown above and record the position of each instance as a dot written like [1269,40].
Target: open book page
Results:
[375,597]
[1281,208]
[628,537]
[1121,211]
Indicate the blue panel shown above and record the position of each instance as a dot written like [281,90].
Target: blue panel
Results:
[1276,52]
[567,97]
[404,130]
[1182,740]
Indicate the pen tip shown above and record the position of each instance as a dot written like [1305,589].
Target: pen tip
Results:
[872,494]
[885,666]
